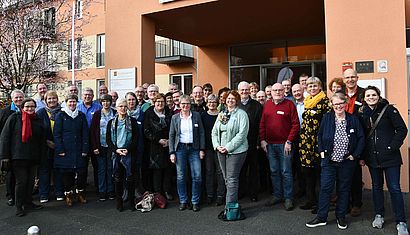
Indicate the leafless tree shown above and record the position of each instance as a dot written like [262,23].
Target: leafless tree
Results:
[35,40]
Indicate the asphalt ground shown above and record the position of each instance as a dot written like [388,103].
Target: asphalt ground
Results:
[102,218]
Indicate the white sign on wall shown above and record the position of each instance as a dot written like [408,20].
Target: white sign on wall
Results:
[165,1]
[379,83]
[122,80]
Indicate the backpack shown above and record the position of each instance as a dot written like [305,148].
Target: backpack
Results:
[232,212]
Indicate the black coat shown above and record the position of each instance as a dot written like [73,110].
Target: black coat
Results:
[154,131]
[383,145]
[11,145]
[254,110]
[4,114]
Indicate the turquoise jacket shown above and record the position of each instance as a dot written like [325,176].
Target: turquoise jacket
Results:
[234,139]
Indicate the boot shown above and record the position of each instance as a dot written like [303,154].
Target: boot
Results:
[81,196]
[69,198]
[120,206]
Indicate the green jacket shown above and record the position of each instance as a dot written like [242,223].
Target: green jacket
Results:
[234,139]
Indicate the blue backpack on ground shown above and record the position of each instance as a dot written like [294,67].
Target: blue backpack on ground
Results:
[231,212]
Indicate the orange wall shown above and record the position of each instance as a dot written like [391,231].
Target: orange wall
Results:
[365,30]
[213,66]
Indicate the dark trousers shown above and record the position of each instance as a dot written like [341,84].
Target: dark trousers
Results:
[214,175]
[312,175]
[264,171]
[25,173]
[161,179]
[68,178]
[342,174]
[249,177]
[297,170]
[10,185]
[357,187]
[121,179]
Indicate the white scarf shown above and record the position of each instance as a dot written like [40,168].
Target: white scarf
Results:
[72,114]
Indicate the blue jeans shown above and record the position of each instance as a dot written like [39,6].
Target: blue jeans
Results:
[186,154]
[45,170]
[342,174]
[105,179]
[281,171]
[393,184]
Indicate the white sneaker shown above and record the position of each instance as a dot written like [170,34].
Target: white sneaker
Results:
[60,198]
[378,221]
[402,229]
[43,200]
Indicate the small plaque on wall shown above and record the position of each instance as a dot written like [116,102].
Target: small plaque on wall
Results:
[364,66]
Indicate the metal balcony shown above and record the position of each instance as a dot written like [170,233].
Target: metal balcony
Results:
[173,52]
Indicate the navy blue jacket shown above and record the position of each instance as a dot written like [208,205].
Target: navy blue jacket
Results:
[327,131]
[71,138]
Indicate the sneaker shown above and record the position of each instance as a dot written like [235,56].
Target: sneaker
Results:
[402,229]
[273,201]
[289,204]
[103,197]
[43,200]
[316,222]
[341,223]
[378,221]
[60,198]
[10,202]
[111,195]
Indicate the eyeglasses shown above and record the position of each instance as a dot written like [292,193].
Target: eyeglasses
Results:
[350,77]
[30,106]
[207,90]
[185,103]
[277,90]
[339,104]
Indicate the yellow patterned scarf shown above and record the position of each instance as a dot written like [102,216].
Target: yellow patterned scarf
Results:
[311,101]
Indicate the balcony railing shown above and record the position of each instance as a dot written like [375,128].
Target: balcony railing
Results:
[170,51]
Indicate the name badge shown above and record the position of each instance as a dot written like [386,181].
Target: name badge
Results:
[351,130]
[139,123]
[358,103]
[280,112]
[196,125]
[313,111]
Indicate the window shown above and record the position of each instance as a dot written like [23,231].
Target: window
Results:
[77,54]
[100,50]
[49,17]
[184,82]
[79,9]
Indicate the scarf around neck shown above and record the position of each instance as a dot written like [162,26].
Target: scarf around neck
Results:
[26,131]
[311,101]
[13,107]
[72,114]
[114,124]
[53,111]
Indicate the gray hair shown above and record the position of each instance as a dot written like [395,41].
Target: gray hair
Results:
[339,95]
[243,83]
[311,80]
[213,97]
[121,101]
[185,97]
[14,92]
[88,89]
[153,86]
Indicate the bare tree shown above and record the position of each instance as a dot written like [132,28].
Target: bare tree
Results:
[35,41]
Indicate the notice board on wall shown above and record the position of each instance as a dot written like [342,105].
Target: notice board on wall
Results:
[379,83]
[122,80]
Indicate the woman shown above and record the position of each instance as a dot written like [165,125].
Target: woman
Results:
[98,135]
[341,141]
[46,169]
[254,88]
[71,148]
[122,139]
[229,139]
[156,130]
[382,154]
[221,95]
[337,84]
[23,144]
[213,170]
[187,145]
[316,105]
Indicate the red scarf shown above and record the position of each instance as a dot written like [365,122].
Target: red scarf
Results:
[26,132]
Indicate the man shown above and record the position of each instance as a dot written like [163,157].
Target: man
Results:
[268,90]
[17,98]
[152,91]
[71,90]
[279,128]
[173,87]
[297,92]
[208,89]
[302,81]
[114,97]
[287,85]
[41,91]
[102,90]
[261,97]
[355,94]
[145,86]
[140,93]
[199,104]
[249,178]
[89,107]
[175,99]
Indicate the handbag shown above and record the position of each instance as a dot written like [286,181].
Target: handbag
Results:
[160,200]
[232,212]
[147,202]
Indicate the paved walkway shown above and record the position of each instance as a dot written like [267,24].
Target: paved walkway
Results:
[102,218]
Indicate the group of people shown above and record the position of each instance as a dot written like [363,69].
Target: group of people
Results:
[218,147]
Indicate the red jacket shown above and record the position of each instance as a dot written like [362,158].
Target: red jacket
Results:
[279,122]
